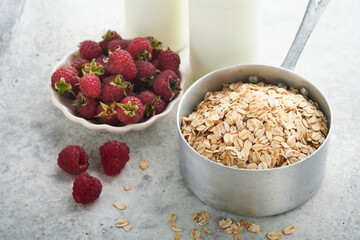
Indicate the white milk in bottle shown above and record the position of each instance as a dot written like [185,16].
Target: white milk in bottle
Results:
[166,20]
[222,33]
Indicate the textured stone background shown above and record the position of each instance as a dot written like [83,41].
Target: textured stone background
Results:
[35,195]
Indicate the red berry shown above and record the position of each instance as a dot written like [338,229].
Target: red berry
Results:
[156,47]
[90,49]
[107,38]
[94,68]
[169,60]
[90,86]
[70,80]
[107,113]
[117,44]
[167,85]
[114,156]
[73,159]
[85,107]
[130,110]
[153,104]
[113,89]
[121,63]
[145,73]
[140,48]
[78,64]
[86,189]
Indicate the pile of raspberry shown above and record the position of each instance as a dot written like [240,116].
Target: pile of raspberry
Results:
[74,160]
[119,81]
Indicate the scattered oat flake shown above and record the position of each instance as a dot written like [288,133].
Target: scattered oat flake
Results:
[127,187]
[195,233]
[206,231]
[119,205]
[177,236]
[144,164]
[203,222]
[243,222]
[237,237]
[225,223]
[251,238]
[199,238]
[228,230]
[172,218]
[176,228]
[254,227]
[12,132]
[289,230]
[205,215]
[274,235]
[197,217]
[121,223]
[127,227]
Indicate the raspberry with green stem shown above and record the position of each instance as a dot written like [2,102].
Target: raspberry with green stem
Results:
[62,87]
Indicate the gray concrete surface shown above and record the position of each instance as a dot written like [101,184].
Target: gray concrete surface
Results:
[35,195]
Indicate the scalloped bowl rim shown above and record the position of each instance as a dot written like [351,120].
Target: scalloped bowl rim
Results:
[66,60]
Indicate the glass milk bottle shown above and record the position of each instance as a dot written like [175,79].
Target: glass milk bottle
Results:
[166,20]
[222,33]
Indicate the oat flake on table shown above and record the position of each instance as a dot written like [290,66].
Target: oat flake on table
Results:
[255,126]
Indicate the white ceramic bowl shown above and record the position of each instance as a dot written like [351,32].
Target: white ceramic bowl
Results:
[65,105]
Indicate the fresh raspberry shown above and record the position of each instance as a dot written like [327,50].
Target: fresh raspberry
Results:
[94,68]
[90,86]
[85,107]
[145,73]
[140,48]
[113,89]
[156,47]
[144,69]
[107,38]
[100,60]
[90,49]
[155,63]
[167,85]
[153,104]
[169,60]
[73,159]
[70,80]
[107,113]
[86,188]
[120,62]
[116,44]
[130,110]
[114,156]
[78,64]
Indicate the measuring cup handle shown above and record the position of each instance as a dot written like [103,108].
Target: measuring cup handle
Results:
[313,12]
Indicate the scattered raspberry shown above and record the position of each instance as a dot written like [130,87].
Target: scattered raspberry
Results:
[90,49]
[90,86]
[107,38]
[120,62]
[130,110]
[73,159]
[153,104]
[65,79]
[117,44]
[85,107]
[169,60]
[113,89]
[107,113]
[167,85]
[86,189]
[140,48]
[114,156]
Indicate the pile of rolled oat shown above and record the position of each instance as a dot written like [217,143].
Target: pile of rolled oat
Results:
[255,126]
